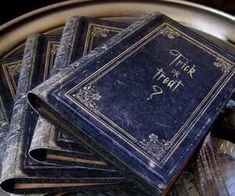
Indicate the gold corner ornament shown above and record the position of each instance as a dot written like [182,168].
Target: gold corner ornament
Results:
[100,32]
[225,66]
[14,69]
[154,146]
[88,96]
[169,32]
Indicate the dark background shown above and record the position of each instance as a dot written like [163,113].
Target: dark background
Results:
[223,5]
[11,9]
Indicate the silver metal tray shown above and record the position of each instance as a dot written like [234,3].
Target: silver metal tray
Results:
[204,19]
[213,23]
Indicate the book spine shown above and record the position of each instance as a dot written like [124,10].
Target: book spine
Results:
[64,53]
[43,133]
[3,114]
[4,126]
[63,56]
[14,138]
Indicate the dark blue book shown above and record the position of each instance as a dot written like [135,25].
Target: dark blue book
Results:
[52,144]
[145,99]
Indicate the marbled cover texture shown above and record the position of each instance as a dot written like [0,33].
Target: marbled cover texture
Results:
[144,99]
[18,168]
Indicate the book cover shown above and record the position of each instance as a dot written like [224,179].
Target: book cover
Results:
[21,174]
[145,99]
[50,143]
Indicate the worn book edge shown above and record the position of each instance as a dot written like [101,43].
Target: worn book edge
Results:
[14,137]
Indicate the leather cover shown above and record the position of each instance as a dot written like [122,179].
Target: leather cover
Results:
[20,173]
[145,99]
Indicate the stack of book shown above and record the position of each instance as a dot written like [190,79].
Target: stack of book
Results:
[105,108]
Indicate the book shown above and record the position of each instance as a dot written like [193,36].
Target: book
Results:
[81,35]
[129,98]
[50,143]
[9,72]
[15,62]
[20,173]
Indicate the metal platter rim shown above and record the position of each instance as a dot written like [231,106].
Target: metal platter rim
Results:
[17,30]
[61,4]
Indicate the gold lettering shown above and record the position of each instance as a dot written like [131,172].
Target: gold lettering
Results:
[170,83]
[161,72]
[179,63]
[178,83]
[166,80]
[156,91]
[182,62]
[176,54]
[191,71]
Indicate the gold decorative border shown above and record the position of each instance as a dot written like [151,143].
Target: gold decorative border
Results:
[178,138]
[52,47]
[97,30]
[10,69]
